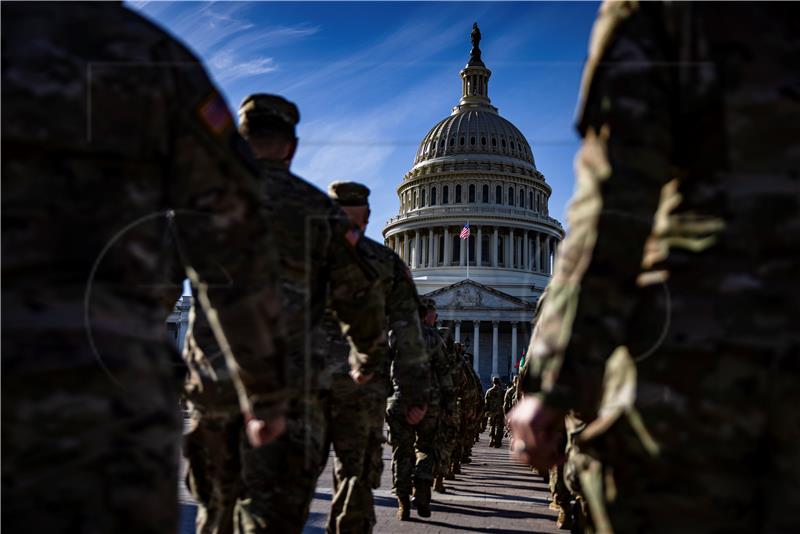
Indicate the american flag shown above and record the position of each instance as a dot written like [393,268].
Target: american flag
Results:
[464,232]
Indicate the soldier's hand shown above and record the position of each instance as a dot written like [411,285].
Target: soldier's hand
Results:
[537,433]
[414,414]
[360,378]
[261,432]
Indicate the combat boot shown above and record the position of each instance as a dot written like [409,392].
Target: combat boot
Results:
[403,508]
[564,521]
[457,468]
[438,485]
[422,498]
[450,475]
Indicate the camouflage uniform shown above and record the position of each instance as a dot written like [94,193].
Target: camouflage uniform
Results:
[356,413]
[494,413]
[468,414]
[104,131]
[672,308]
[413,447]
[318,267]
[450,412]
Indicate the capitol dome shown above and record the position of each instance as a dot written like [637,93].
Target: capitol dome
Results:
[474,225]
[474,132]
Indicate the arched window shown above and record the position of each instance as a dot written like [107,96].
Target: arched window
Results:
[445,194]
[461,141]
[504,143]
[530,200]
[494,141]
[441,143]
[471,193]
[433,196]
[510,196]
[422,202]
[483,141]
[498,195]
[458,194]
[452,141]
[521,198]
[414,203]
[472,140]
[485,194]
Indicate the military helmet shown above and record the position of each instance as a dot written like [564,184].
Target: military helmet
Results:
[265,105]
[496,380]
[349,193]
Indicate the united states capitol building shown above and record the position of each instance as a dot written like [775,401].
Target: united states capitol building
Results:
[476,168]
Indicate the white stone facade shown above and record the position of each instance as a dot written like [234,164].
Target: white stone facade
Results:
[475,167]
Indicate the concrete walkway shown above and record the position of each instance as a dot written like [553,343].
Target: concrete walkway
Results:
[491,495]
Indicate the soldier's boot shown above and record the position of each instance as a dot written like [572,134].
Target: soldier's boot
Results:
[457,468]
[554,506]
[564,520]
[403,508]
[438,485]
[422,498]
[450,475]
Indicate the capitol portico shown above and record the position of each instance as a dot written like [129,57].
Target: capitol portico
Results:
[476,168]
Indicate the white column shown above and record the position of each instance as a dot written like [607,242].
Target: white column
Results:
[430,248]
[493,255]
[526,261]
[513,343]
[447,244]
[476,340]
[494,348]
[547,255]
[509,247]
[478,247]
[405,247]
[457,335]
[462,259]
[436,251]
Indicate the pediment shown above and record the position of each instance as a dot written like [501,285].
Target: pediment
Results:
[468,294]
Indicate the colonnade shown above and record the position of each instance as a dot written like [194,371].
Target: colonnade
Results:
[474,344]
[488,246]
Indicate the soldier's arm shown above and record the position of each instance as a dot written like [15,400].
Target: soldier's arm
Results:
[357,300]
[412,361]
[224,240]
[624,161]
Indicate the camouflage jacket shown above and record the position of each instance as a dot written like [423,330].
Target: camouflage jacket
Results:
[510,399]
[408,355]
[318,267]
[494,400]
[685,144]
[121,167]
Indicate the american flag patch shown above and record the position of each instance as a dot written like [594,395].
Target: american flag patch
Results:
[214,114]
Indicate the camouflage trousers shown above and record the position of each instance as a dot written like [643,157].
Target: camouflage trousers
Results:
[413,449]
[445,442]
[211,448]
[278,480]
[356,415]
[82,451]
[712,451]
[496,427]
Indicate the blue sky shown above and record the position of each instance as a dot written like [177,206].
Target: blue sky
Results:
[371,78]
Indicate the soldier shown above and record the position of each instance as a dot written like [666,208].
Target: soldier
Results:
[121,172]
[413,446]
[450,413]
[356,413]
[318,267]
[670,328]
[494,413]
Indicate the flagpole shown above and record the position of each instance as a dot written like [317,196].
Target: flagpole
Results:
[470,231]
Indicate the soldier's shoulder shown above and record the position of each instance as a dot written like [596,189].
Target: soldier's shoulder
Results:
[291,192]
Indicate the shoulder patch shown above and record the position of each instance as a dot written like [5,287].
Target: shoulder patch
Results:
[214,114]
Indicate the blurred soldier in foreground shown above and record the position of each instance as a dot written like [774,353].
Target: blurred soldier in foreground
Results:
[356,413]
[318,266]
[670,326]
[494,412]
[413,447]
[450,413]
[121,167]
